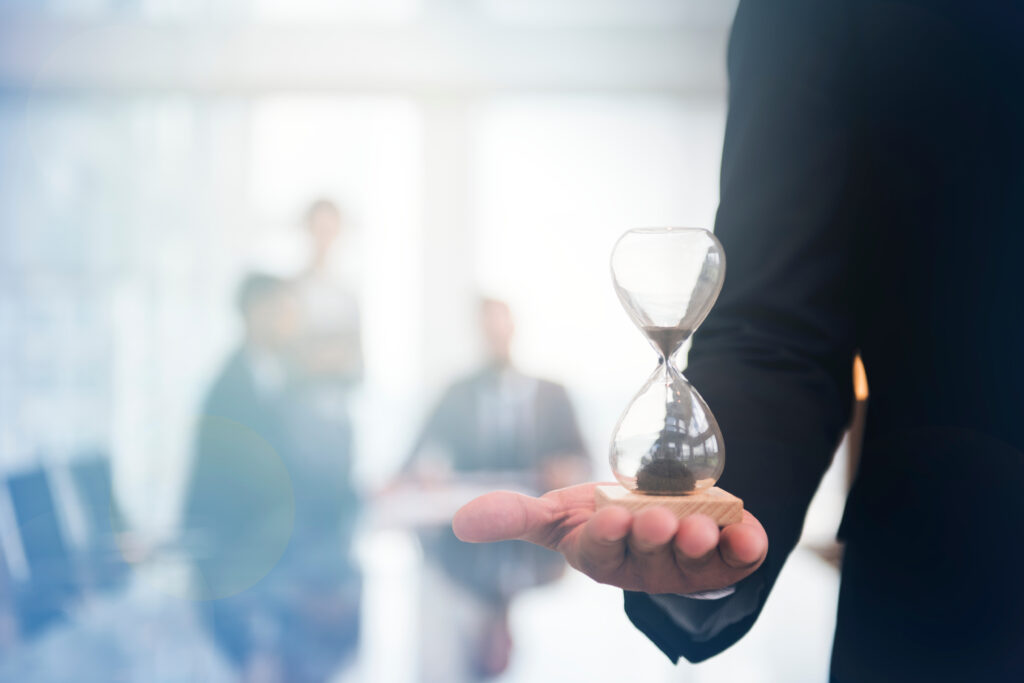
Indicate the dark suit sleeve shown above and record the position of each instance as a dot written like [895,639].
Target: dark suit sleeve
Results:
[773,360]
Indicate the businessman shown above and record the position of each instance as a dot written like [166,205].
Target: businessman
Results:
[497,422]
[872,199]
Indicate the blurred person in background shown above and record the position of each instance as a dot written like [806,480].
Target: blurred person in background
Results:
[270,509]
[497,425]
[330,352]
[328,367]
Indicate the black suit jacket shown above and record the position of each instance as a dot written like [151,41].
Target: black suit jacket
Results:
[548,429]
[872,198]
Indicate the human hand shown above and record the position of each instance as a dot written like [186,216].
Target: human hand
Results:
[651,551]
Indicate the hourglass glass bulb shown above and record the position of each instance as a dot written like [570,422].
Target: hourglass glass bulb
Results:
[667,280]
[667,441]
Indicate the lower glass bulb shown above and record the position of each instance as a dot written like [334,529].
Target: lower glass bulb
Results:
[667,442]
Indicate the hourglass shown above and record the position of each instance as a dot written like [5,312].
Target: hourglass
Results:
[667,448]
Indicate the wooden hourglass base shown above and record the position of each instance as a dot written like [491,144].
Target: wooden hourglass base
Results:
[719,505]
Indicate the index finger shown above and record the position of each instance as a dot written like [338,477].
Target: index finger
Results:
[602,545]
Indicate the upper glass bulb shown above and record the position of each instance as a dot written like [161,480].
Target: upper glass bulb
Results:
[667,441]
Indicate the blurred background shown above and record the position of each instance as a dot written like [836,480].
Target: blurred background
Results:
[276,274]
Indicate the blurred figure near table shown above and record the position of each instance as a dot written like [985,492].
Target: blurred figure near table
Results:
[270,510]
[506,427]
[330,350]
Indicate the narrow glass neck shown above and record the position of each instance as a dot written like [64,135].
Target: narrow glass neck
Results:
[669,366]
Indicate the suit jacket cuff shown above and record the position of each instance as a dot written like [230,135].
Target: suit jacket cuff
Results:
[688,627]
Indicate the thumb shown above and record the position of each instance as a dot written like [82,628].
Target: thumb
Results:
[501,516]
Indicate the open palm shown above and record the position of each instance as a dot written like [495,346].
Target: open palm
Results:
[650,551]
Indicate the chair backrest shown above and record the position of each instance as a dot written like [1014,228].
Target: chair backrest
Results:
[103,563]
[50,586]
